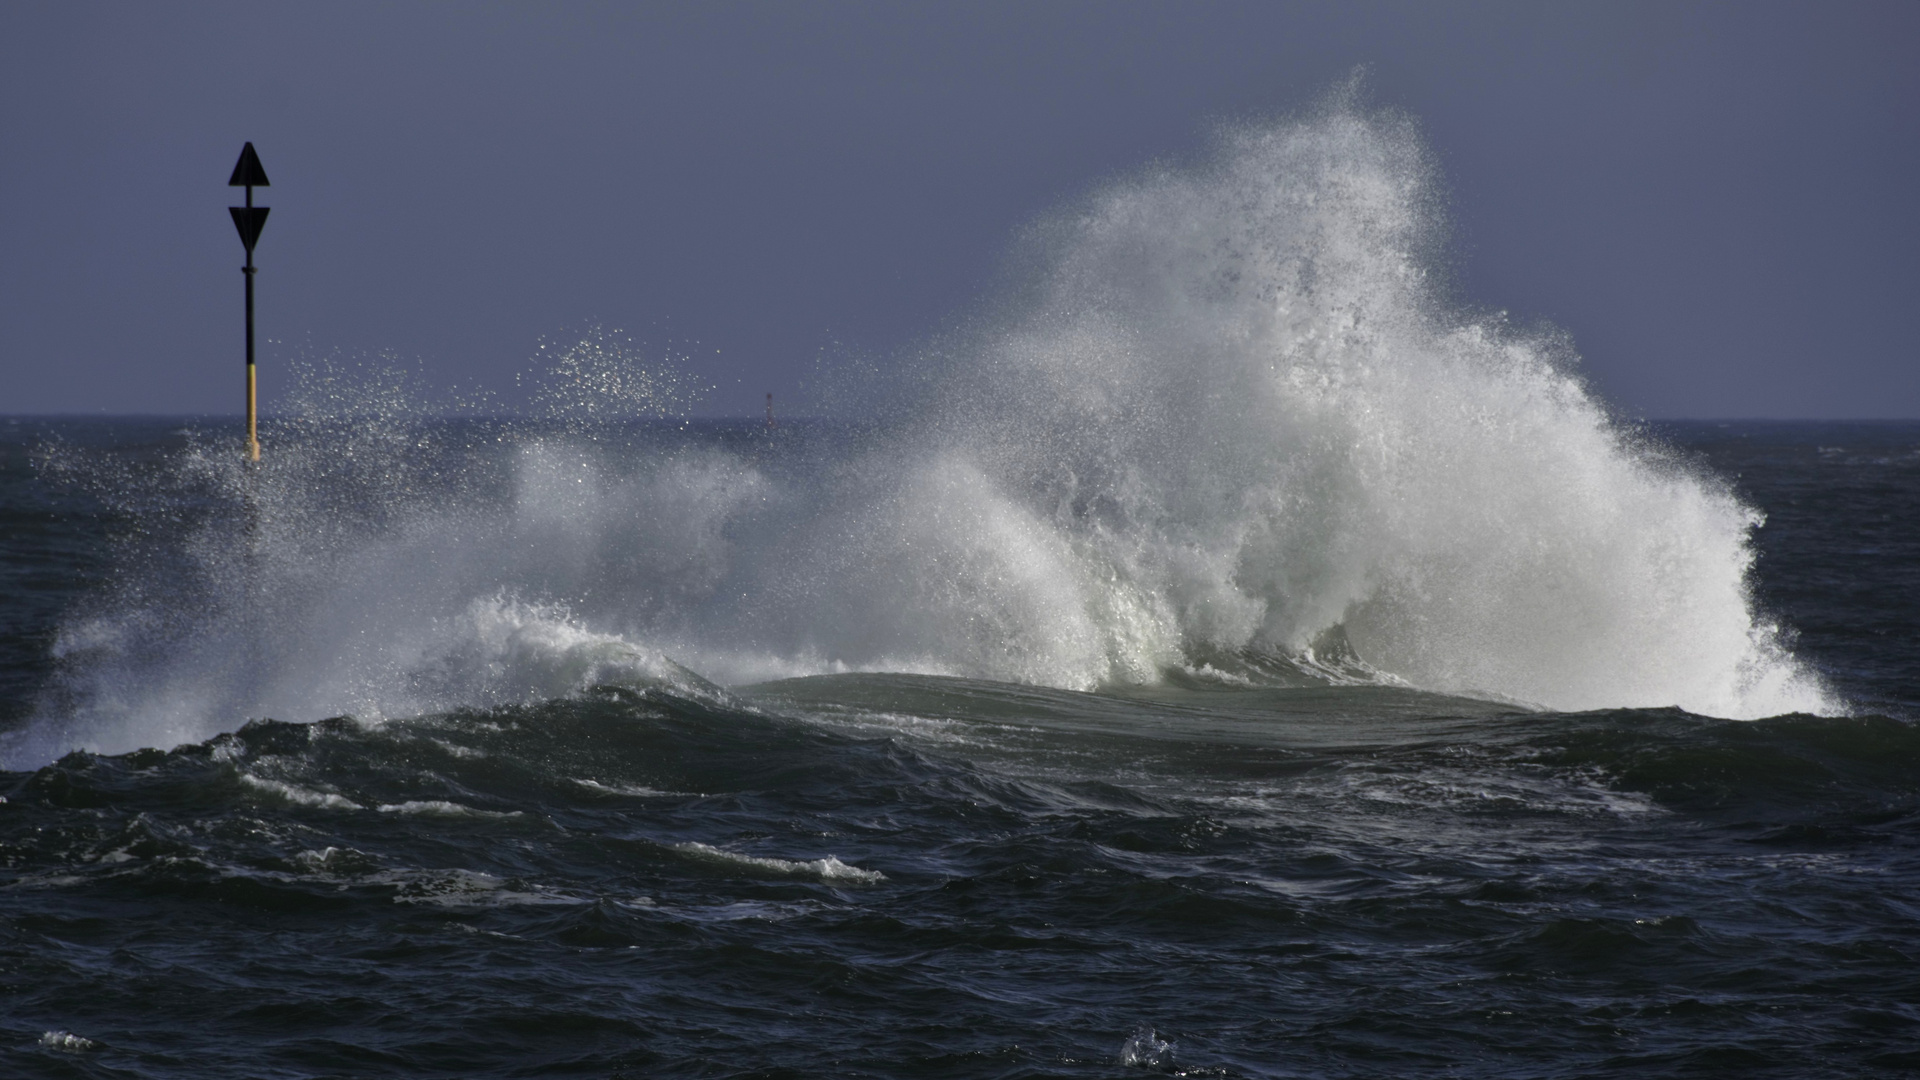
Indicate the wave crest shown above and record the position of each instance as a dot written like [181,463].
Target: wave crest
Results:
[1230,425]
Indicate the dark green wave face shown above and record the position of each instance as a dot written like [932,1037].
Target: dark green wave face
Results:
[909,875]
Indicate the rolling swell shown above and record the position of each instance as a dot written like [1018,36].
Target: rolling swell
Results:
[1007,883]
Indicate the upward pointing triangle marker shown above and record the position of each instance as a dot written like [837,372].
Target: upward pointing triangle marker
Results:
[247,171]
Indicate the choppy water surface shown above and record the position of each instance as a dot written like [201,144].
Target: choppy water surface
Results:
[887,874]
[1229,659]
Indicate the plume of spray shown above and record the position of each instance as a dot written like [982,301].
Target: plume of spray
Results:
[1238,393]
[1226,422]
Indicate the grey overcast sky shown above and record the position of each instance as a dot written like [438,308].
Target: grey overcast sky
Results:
[1717,200]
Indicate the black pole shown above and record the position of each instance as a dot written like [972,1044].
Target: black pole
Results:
[253,436]
[247,173]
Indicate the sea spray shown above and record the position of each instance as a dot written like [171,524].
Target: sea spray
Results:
[1230,427]
[1236,390]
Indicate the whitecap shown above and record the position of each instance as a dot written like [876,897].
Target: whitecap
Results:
[443,808]
[827,869]
[300,796]
[638,791]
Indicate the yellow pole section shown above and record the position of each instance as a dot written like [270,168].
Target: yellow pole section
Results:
[253,434]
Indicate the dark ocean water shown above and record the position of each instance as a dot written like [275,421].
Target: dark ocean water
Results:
[881,875]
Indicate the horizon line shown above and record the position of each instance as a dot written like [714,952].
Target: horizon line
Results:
[238,417]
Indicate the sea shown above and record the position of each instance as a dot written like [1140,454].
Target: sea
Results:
[1230,654]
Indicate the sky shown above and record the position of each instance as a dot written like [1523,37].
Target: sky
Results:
[1717,201]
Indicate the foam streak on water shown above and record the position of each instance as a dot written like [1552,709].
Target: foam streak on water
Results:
[1227,425]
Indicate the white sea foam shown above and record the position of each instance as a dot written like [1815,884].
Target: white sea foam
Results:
[298,795]
[1229,419]
[827,869]
[1146,1050]
[443,808]
[637,791]
[465,889]
[339,861]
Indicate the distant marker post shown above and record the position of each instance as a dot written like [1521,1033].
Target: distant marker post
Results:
[249,219]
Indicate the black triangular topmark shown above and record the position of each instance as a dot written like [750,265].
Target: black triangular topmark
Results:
[248,173]
[249,219]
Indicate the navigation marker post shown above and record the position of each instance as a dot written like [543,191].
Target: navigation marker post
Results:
[249,219]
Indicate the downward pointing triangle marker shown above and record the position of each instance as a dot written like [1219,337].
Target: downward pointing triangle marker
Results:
[249,219]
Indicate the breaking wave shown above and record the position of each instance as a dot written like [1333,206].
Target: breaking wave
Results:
[1228,426]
